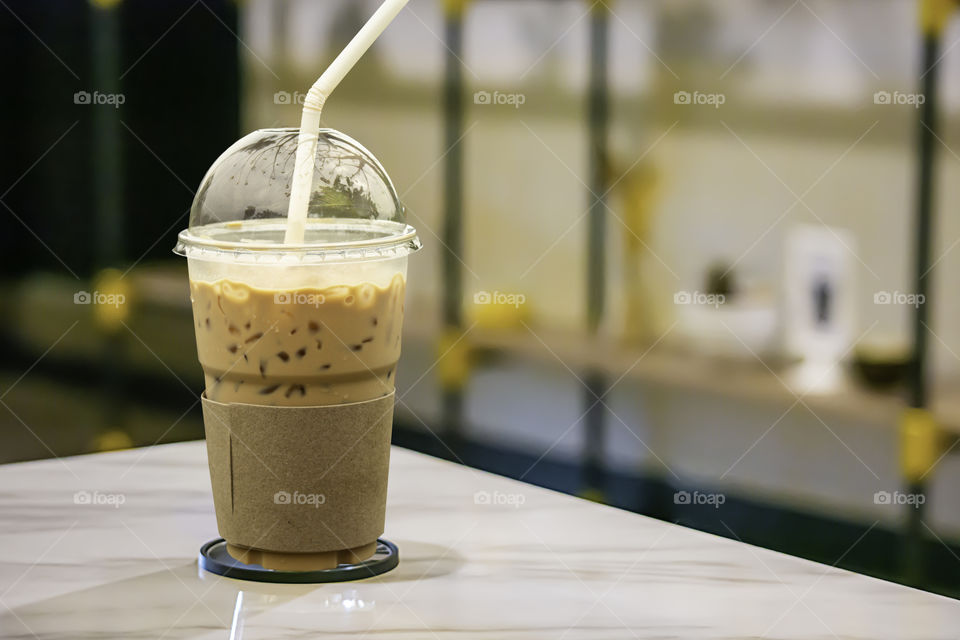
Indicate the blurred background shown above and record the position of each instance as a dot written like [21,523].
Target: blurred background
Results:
[689,258]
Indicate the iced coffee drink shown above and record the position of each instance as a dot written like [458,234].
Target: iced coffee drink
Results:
[299,343]
[298,347]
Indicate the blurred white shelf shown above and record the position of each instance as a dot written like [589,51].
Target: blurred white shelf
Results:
[749,380]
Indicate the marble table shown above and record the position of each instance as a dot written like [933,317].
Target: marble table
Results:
[105,546]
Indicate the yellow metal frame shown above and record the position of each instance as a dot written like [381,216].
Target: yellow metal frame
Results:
[455,7]
[934,15]
[454,360]
[921,444]
[110,317]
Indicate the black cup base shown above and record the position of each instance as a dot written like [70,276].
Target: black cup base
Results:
[215,559]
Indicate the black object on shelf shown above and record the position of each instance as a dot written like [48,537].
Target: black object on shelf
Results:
[882,372]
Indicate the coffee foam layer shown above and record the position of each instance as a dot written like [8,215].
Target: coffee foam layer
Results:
[293,276]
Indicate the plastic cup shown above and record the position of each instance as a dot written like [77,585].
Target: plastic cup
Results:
[294,326]
[299,346]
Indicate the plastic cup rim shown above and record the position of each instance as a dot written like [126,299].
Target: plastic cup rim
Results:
[404,235]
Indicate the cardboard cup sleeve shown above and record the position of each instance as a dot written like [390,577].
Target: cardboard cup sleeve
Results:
[299,479]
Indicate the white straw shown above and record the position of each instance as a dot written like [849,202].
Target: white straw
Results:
[313,105]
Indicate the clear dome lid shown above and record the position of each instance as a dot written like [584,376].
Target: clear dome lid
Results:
[241,205]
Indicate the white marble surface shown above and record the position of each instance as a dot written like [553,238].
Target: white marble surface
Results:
[537,565]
